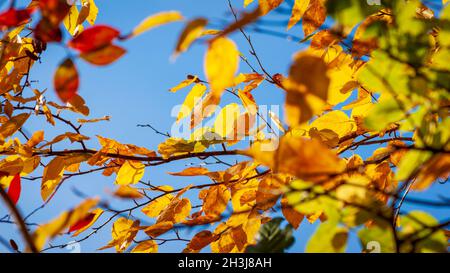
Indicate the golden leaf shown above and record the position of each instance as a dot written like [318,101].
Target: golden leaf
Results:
[65,220]
[221,64]
[156,20]
[123,232]
[148,246]
[303,158]
[298,10]
[131,172]
[192,31]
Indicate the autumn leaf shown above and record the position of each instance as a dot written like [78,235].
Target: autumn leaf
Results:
[193,30]
[127,192]
[267,5]
[159,228]
[156,20]
[86,222]
[11,126]
[314,16]
[298,10]
[53,173]
[200,240]
[191,171]
[292,216]
[307,88]
[191,100]
[123,232]
[66,80]
[221,64]
[15,189]
[155,207]
[94,38]
[307,159]
[66,219]
[215,200]
[14,17]
[190,80]
[104,55]
[148,246]
[130,173]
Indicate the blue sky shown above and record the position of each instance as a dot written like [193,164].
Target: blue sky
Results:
[134,91]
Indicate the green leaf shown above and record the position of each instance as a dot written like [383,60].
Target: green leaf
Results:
[419,234]
[273,239]
[377,238]
[410,162]
[350,12]
[329,237]
[383,114]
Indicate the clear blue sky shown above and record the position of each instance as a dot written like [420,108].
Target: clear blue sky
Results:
[134,91]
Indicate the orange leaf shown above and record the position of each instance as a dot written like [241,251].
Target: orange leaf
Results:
[66,80]
[292,216]
[192,171]
[158,229]
[314,16]
[200,240]
[103,56]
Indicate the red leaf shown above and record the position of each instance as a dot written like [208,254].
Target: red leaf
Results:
[47,32]
[104,55]
[15,189]
[54,10]
[66,80]
[13,17]
[82,223]
[94,38]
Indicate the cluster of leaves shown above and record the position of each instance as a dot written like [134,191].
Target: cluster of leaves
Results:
[379,75]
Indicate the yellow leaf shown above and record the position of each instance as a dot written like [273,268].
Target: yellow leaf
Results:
[156,20]
[191,100]
[176,211]
[221,64]
[127,192]
[131,172]
[92,9]
[192,171]
[307,88]
[148,246]
[267,5]
[37,138]
[123,232]
[154,208]
[192,31]
[337,121]
[65,220]
[298,10]
[226,120]
[183,84]
[71,21]
[247,2]
[96,213]
[303,158]
[12,125]
[53,173]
